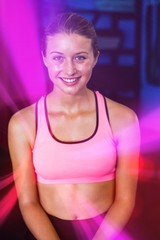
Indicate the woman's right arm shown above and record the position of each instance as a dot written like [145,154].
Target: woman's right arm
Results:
[19,140]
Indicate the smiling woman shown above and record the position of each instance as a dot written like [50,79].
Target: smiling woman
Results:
[74,152]
[69,59]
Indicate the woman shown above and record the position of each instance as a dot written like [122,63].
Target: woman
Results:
[75,152]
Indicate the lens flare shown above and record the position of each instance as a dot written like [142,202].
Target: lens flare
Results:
[22,76]
[21,41]
[8,201]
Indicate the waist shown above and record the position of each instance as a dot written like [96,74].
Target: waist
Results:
[76,201]
[94,218]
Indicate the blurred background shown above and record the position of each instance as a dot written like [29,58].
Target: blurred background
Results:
[128,71]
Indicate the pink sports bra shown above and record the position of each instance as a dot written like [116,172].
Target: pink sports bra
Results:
[87,161]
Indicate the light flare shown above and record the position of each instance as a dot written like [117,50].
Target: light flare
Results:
[9,200]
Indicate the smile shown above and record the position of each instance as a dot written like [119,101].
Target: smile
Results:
[69,80]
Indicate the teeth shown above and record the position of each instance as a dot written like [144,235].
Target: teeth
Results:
[69,80]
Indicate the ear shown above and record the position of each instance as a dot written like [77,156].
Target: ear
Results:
[96,59]
[44,59]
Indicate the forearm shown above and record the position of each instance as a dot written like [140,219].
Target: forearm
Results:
[38,222]
[114,222]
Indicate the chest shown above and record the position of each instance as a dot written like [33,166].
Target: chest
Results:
[73,127]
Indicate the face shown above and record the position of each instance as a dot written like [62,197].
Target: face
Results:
[69,59]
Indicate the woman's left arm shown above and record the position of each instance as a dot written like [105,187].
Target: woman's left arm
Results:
[128,144]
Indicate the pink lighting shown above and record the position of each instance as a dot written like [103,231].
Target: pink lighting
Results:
[8,201]
[22,77]
[150,128]
[150,144]
[21,74]
[20,35]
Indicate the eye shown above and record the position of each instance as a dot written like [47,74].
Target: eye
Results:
[80,58]
[58,58]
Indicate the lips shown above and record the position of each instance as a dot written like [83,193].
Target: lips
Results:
[70,80]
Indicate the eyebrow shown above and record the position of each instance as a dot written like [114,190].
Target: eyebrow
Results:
[81,53]
[56,52]
[63,53]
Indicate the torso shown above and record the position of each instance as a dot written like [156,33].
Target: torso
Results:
[76,201]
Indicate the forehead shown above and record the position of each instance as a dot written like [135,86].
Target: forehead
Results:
[63,42]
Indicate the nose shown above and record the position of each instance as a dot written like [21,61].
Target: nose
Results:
[69,68]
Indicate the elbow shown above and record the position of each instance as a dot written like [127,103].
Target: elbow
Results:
[27,206]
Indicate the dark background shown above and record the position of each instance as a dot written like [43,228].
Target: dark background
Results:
[128,71]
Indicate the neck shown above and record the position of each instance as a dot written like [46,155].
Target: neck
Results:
[69,103]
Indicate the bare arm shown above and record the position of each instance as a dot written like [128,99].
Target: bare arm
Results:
[128,142]
[20,139]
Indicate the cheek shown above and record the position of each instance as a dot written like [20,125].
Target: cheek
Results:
[87,69]
[53,69]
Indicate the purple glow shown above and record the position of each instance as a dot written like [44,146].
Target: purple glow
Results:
[150,128]
[22,73]
[20,34]
[150,144]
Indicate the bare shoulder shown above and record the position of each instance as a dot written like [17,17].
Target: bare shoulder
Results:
[25,115]
[120,115]
[23,122]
